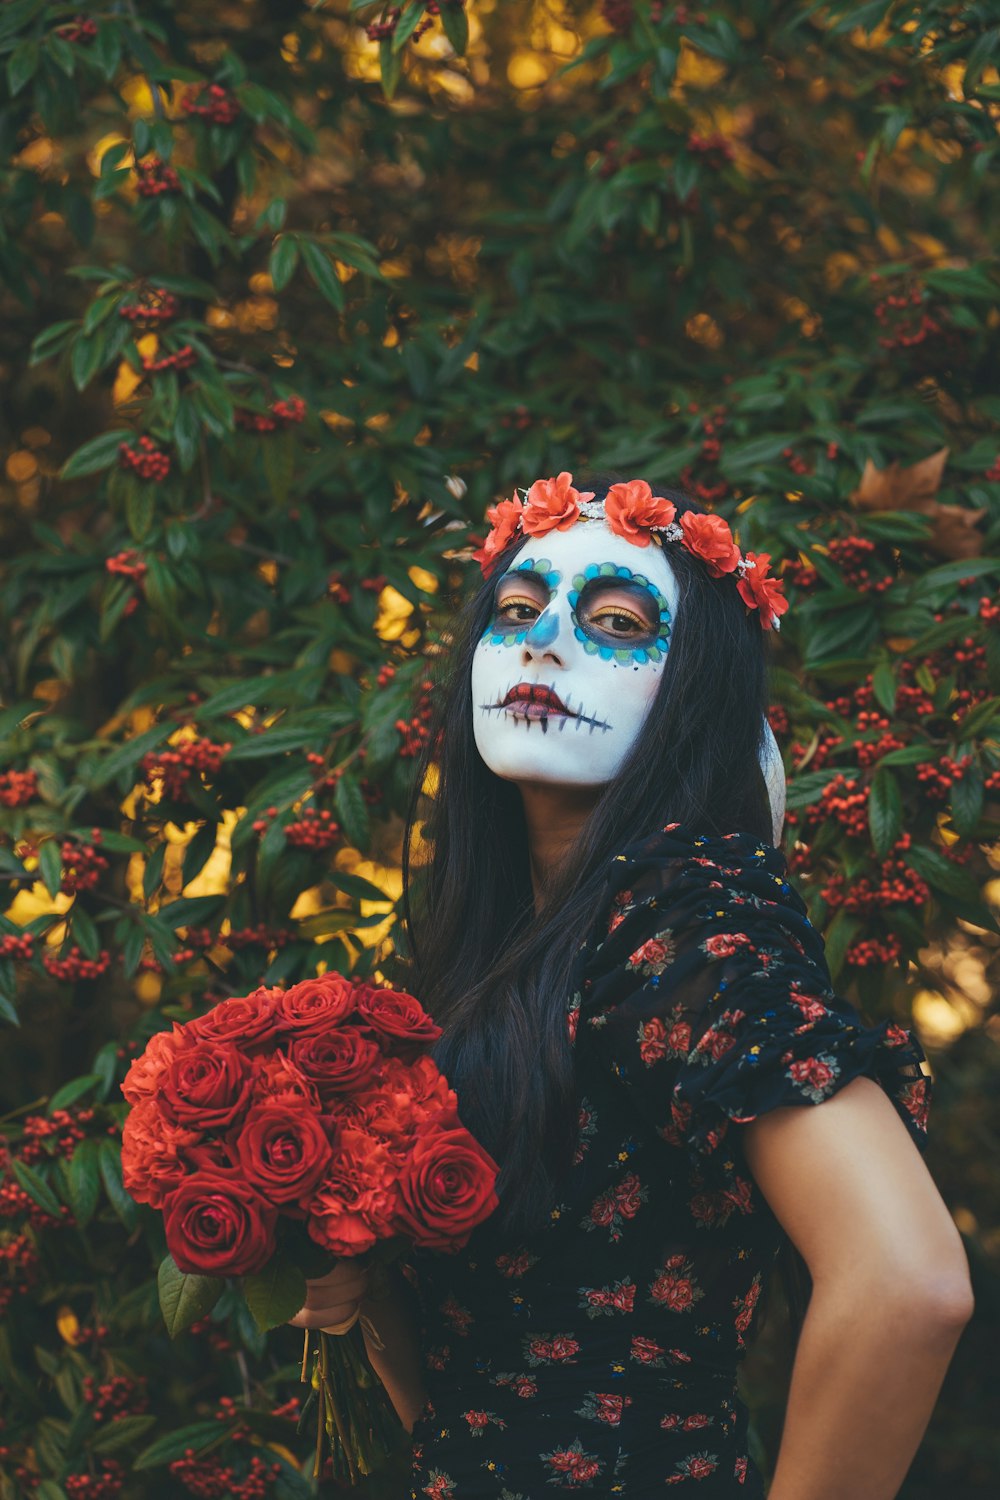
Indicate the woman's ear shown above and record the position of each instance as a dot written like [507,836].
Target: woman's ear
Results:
[774,776]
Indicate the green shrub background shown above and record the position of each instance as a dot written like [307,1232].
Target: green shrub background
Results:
[349,298]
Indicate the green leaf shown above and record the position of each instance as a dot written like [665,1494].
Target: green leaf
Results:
[85,1180]
[185,1298]
[71,1092]
[21,65]
[139,509]
[942,875]
[36,1187]
[199,1436]
[275,1294]
[111,1175]
[884,686]
[121,1432]
[407,24]
[279,463]
[966,800]
[885,811]
[50,865]
[390,66]
[321,270]
[283,259]
[838,938]
[352,811]
[455,24]
[978,719]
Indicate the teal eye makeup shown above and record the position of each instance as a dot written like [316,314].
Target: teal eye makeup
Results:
[651,612]
[509,627]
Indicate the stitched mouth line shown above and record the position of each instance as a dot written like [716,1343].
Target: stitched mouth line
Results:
[571,716]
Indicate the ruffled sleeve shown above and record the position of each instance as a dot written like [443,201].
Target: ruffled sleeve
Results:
[711,999]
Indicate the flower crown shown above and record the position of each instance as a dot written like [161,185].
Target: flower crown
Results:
[631,510]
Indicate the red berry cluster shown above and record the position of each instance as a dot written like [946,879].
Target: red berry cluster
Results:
[147,460]
[992,781]
[208,1478]
[519,418]
[313,830]
[802,574]
[81,30]
[795,461]
[386,673]
[105,1483]
[182,359]
[896,884]
[937,778]
[82,865]
[75,966]
[121,1396]
[989,610]
[614,158]
[213,103]
[619,15]
[156,178]
[845,800]
[380,31]
[177,765]
[17,946]
[993,472]
[153,306]
[20,1264]
[285,413]
[18,788]
[416,731]
[127,564]
[868,951]
[777,717]
[853,554]
[896,314]
[337,589]
[375,584]
[57,1134]
[216,1335]
[714,150]
[711,451]
[329,781]
[260,936]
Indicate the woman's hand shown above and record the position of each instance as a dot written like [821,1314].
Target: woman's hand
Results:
[333,1298]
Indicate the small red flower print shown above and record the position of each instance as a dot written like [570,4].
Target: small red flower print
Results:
[459,1317]
[598,1300]
[547,1351]
[916,1101]
[652,1041]
[654,955]
[647,1352]
[479,1420]
[552,505]
[695,1466]
[571,1467]
[441,1486]
[610,1209]
[814,1075]
[697,1420]
[437,1359]
[600,1406]
[515,1265]
[725,944]
[740,1469]
[747,1304]
[675,1287]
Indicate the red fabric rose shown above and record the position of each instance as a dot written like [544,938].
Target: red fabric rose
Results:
[760,591]
[552,505]
[503,519]
[396,1017]
[709,538]
[315,1006]
[145,1077]
[631,508]
[283,1151]
[247,1021]
[344,1060]
[217,1225]
[154,1153]
[357,1201]
[207,1086]
[447,1188]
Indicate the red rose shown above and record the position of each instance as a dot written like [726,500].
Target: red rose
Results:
[503,519]
[315,1006]
[247,1021]
[216,1225]
[759,591]
[552,505]
[153,1153]
[447,1188]
[207,1086]
[357,1201]
[342,1061]
[145,1077]
[278,1078]
[710,538]
[395,1016]
[283,1151]
[631,509]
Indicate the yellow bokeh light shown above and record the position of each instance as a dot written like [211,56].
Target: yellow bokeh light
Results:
[423,579]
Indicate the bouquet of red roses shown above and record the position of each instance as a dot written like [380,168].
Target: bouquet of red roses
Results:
[287,1128]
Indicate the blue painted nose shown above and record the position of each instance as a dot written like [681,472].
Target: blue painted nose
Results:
[545,629]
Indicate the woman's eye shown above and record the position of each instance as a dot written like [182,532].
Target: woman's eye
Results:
[517,611]
[620,621]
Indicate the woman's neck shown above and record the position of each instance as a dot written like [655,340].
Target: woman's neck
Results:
[554,816]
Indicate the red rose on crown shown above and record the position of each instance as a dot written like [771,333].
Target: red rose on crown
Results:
[503,518]
[709,538]
[760,591]
[631,509]
[552,505]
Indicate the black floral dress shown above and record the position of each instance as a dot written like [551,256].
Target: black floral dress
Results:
[602,1355]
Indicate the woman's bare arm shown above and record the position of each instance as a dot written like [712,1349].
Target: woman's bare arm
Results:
[891,1291]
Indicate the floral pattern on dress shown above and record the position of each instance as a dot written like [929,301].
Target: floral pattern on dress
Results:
[600,1354]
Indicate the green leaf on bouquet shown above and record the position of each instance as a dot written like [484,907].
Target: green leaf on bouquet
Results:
[275,1294]
[184,1298]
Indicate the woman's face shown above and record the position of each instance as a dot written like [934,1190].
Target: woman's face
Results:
[565,673]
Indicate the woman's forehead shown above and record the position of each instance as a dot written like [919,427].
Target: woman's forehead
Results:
[593,542]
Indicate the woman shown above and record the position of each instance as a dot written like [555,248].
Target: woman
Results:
[635,1008]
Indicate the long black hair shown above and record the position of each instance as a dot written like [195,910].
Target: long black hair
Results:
[494,972]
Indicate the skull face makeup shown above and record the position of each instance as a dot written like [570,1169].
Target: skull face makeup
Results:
[565,672]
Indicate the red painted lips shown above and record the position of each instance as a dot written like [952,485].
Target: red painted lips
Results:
[534,700]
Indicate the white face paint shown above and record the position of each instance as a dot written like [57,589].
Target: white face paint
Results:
[563,678]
